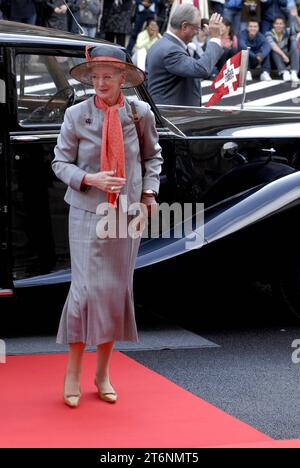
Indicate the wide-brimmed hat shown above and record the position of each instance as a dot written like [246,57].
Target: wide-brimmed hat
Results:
[107,55]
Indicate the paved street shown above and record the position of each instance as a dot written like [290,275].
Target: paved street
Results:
[251,374]
[275,93]
[236,355]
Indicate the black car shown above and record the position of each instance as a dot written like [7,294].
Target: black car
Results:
[241,164]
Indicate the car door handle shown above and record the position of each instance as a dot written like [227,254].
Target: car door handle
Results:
[26,138]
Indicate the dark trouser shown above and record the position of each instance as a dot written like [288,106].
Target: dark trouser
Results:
[265,64]
[293,55]
[138,25]
[120,38]
[234,16]
[73,28]
[217,7]
[27,19]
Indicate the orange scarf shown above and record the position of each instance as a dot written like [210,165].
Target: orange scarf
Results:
[112,148]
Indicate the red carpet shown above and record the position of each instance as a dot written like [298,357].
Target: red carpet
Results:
[151,411]
[269,444]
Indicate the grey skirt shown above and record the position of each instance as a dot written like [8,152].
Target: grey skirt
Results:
[99,307]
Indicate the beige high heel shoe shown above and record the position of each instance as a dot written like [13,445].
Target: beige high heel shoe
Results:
[110,397]
[71,400]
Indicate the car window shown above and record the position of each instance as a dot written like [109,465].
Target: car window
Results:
[45,88]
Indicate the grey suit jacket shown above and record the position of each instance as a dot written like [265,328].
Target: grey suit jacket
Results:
[173,75]
[78,152]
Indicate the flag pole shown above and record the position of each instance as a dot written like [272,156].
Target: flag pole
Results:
[244,66]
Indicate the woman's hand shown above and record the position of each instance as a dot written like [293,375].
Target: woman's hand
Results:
[149,205]
[61,9]
[285,58]
[105,181]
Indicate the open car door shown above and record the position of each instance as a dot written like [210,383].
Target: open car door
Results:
[5,244]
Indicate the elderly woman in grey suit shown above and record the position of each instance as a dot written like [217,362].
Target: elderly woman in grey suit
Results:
[98,156]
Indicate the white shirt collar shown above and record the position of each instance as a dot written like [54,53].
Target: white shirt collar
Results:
[178,39]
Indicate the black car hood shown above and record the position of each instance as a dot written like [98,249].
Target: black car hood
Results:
[227,122]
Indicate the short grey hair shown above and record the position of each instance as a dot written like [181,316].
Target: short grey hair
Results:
[183,13]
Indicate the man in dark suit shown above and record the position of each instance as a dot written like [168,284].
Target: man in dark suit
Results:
[173,74]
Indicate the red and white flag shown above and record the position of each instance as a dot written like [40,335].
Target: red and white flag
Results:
[231,77]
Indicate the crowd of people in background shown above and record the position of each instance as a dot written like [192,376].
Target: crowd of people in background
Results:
[269,28]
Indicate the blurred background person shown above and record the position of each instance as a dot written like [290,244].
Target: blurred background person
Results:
[5,8]
[233,12]
[23,11]
[229,42]
[271,9]
[89,12]
[1,13]
[228,38]
[250,10]
[41,12]
[74,6]
[259,53]
[284,51]
[217,6]
[115,23]
[144,41]
[162,12]
[56,15]
[144,11]
[294,21]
